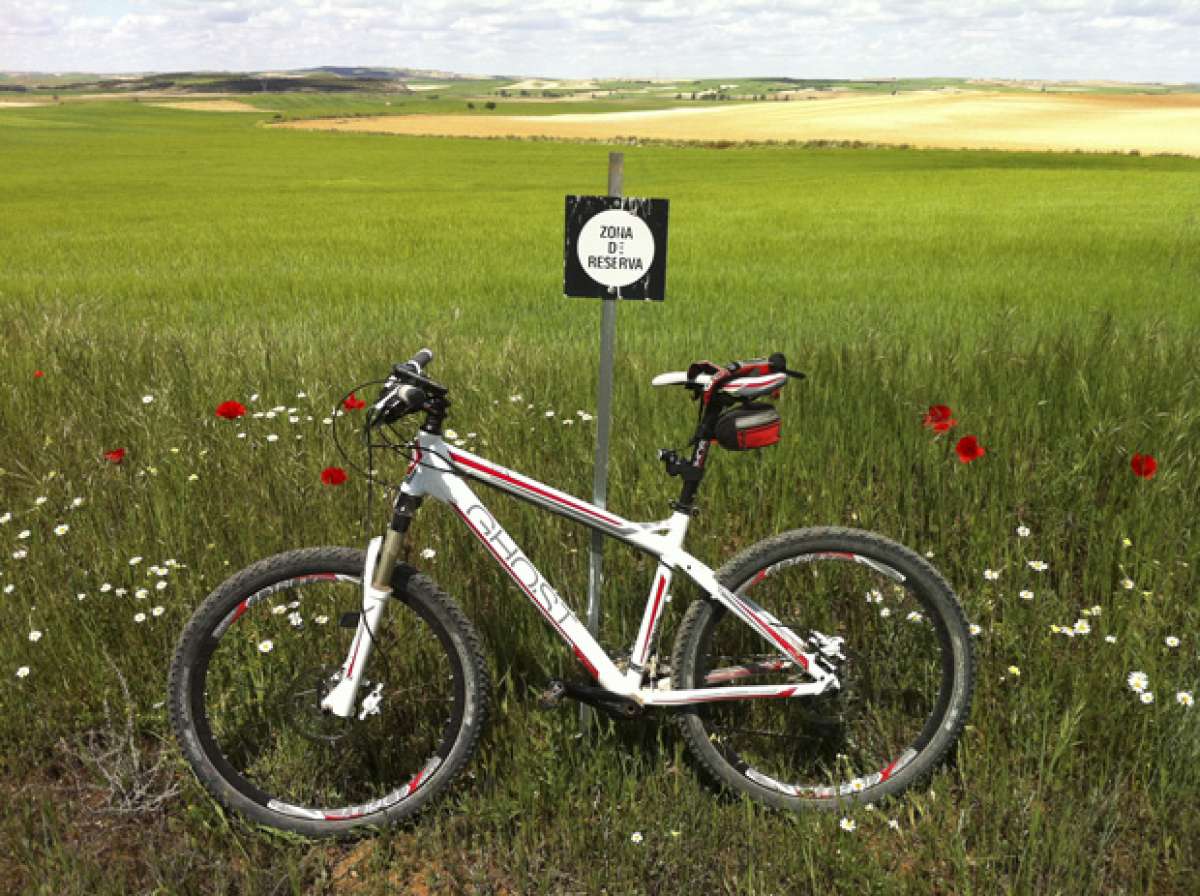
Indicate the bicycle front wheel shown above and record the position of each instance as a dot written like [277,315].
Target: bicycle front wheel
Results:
[904,667]
[265,648]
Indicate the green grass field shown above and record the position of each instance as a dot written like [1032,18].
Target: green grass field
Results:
[1050,299]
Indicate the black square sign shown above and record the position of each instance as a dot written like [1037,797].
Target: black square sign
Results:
[615,248]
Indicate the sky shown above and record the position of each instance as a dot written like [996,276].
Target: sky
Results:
[1127,40]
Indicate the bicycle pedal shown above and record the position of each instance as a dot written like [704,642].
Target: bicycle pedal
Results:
[553,695]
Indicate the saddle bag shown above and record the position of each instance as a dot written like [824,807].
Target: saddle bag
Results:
[749,426]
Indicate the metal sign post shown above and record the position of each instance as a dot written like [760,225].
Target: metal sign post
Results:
[615,248]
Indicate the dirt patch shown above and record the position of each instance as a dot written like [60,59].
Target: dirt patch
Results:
[211,106]
[1092,122]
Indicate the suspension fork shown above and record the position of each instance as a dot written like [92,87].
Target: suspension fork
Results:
[383,554]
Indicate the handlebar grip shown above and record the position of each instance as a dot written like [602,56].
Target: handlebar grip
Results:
[422,358]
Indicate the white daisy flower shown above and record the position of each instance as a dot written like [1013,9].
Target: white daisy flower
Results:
[9,589]
[1023,531]
[141,594]
[636,837]
[61,530]
[1138,681]
[302,395]
[22,671]
[929,555]
[428,554]
[266,646]
[1125,542]
[1082,627]
[40,500]
[1184,698]
[23,534]
[241,435]
[279,609]
[549,413]
[974,629]
[991,574]
[35,636]
[858,785]
[320,620]
[1171,641]
[328,421]
[1127,583]
[516,398]
[1014,671]
[254,397]
[174,450]
[146,399]
[193,477]
[1038,565]
[293,419]
[1026,594]
[160,585]
[272,438]
[295,619]
[914,616]
[119,592]
[893,824]
[20,554]
[105,588]
[450,434]
[1111,639]
[885,612]
[1146,696]
[139,617]
[81,596]
[158,611]
[134,561]
[848,825]
[77,502]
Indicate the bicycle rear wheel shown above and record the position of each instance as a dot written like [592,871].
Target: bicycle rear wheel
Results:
[262,651]
[905,671]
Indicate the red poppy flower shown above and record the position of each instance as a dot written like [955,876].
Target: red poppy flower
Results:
[115,456]
[37,374]
[969,449]
[1144,466]
[333,475]
[938,418]
[353,403]
[231,410]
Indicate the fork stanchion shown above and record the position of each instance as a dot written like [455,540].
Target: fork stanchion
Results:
[604,390]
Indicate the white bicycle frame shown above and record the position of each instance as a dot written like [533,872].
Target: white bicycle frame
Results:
[441,472]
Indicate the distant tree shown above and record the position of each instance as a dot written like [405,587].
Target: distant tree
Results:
[470,105]
[693,94]
[679,96]
[489,105]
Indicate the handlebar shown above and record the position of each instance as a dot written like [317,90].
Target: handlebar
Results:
[405,390]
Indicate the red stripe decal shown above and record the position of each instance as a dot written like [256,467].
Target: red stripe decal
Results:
[887,772]
[586,664]
[798,657]
[240,610]
[512,480]
[662,584]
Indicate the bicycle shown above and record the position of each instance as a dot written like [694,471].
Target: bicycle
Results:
[847,678]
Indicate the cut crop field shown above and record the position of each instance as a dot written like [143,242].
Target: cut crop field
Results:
[157,263]
[1094,122]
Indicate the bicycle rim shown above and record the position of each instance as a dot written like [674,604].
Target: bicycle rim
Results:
[895,672]
[264,669]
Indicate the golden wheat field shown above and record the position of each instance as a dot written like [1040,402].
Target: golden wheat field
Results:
[1167,123]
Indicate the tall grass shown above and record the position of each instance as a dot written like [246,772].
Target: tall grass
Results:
[1049,299]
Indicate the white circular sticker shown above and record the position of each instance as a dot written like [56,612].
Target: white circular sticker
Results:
[615,248]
